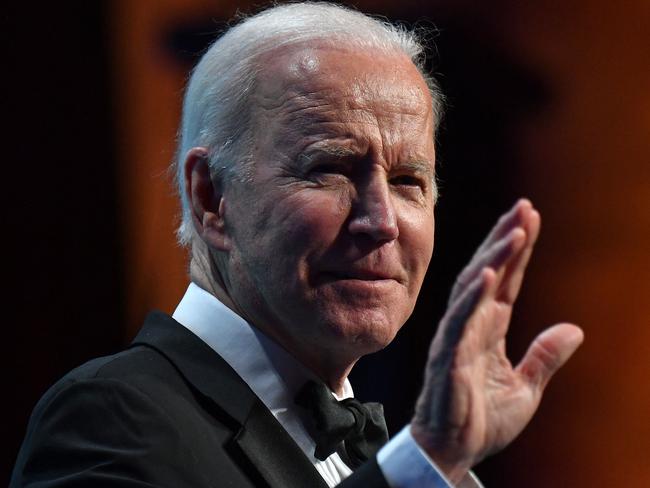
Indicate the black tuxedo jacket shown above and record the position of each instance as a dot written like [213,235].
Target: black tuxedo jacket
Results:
[168,411]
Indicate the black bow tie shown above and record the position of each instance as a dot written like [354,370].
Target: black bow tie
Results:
[357,430]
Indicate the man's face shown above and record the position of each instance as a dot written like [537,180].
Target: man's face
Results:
[332,235]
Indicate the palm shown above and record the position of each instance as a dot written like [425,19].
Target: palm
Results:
[473,401]
[500,403]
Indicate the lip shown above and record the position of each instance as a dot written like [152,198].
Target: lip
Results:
[358,275]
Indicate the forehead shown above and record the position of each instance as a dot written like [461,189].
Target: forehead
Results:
[358,78]
[320,92]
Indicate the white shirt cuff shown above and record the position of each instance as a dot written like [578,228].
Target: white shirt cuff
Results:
[405,465]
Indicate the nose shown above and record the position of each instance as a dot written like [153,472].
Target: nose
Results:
[373,212]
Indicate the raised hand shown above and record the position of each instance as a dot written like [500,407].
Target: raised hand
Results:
[473,401]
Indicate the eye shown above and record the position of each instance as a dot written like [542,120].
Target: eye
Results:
[329,173]
[330,168]
[407,181]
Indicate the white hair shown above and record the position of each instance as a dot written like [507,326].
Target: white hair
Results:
[216,108]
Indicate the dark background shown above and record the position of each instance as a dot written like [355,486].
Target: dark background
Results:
[548,101]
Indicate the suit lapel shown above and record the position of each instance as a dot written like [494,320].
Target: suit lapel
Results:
[259,437]
[276,456]
[201,367]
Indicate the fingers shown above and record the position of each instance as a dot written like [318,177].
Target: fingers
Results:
[495,257]
[548,352]
[513,273]
[457,317]
[515,217]
[501,244]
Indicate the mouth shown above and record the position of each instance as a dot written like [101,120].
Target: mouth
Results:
[357,275]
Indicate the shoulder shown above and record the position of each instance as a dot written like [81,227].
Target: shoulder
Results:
[134,365]
[114,390]
[128,412]
[139,370]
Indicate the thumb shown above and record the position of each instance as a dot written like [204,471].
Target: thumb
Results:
[548,352]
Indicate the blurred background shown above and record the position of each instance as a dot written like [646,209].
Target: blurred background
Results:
[547,99]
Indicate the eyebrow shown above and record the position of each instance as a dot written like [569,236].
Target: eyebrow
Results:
[421,166]
[330,150]
[416,165]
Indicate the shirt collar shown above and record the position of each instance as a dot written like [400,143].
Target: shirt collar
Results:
[270,371]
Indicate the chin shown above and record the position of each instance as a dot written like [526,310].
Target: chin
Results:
[363,332]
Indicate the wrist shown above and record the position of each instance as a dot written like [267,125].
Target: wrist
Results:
[450,464]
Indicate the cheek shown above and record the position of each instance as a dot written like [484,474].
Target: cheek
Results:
[417,238]
[311,219]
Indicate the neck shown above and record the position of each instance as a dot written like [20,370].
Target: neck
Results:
[205,273]
[330,366]
[319,362]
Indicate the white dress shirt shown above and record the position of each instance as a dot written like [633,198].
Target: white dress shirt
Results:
[275,376]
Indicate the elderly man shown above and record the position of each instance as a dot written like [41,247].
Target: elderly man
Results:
[306,170]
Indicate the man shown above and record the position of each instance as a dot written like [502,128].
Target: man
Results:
[306,170]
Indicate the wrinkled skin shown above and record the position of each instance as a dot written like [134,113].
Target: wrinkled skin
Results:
[474,402]
[329,239]
[325,245]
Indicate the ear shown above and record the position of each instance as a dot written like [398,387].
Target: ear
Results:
[206,200]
